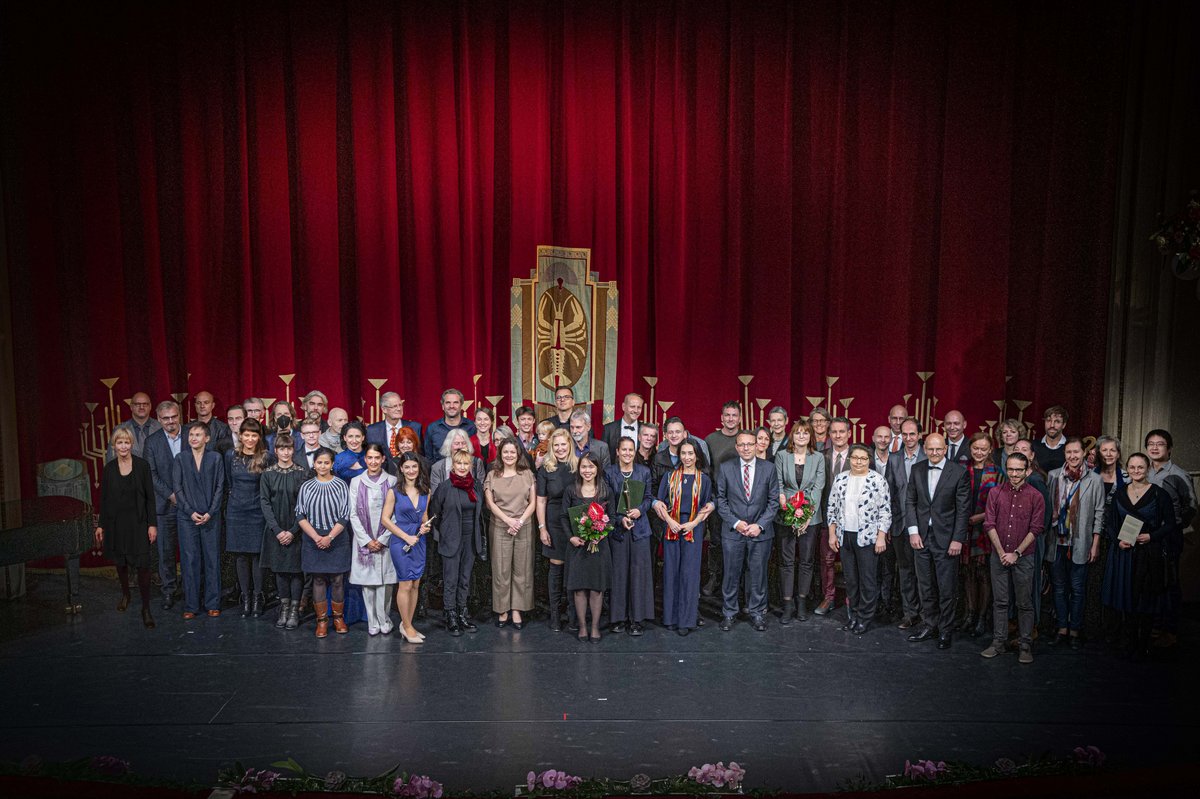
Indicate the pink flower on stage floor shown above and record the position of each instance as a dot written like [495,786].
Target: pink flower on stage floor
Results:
[552,779]
[924,770]
[1089,756]
[717,775]
[254,781]
[1005,766]
[418,787]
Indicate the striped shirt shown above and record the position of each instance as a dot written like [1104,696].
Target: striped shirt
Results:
[324,505]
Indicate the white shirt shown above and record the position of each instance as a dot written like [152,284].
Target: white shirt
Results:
[742,465]
[175,443]
[935,474]
[955,448]
[629,430]
[850,518]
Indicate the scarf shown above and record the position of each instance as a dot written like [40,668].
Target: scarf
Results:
[363,504]
[989,477]
[466,482]
[1068,508]
[675,484]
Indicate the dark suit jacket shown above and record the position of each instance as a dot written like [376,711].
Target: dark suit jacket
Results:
[199,490]
[830,474]
[963,456]
[598,450]
[611,436]
[377,433]
[943,517]
[157,453]
[898,484]
[762,506]
[447,503]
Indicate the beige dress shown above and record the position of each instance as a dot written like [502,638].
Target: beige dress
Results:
[511,555]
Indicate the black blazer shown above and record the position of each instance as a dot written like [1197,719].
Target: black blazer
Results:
[942,518]
[611,436]
[448,503]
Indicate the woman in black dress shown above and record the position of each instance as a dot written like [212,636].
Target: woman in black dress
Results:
[278,490]
[127,513]
[556,473]
[244,465]
[589,574]
[1136,575]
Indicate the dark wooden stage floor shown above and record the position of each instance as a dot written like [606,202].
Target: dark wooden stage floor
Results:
[800,707]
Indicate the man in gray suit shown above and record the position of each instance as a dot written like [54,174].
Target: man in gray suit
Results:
[936,510]
[162,446]
[899,466]
[581,434]
[747,500]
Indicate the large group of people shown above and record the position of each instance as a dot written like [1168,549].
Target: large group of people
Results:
[937,532]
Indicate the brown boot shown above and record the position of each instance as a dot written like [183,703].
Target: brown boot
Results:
[322,609]
[339,624]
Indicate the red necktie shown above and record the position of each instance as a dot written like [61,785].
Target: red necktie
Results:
[395,444]
[746,479]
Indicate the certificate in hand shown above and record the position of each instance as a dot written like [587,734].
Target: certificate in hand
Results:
[633,492]
[1130,530]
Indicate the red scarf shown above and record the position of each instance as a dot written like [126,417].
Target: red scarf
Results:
[675,484]
[466,482]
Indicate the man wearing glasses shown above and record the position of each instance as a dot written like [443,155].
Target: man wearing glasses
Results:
[386,432]
[1014,520]
[747,488]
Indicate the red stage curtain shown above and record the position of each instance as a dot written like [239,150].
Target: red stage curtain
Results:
[234,191]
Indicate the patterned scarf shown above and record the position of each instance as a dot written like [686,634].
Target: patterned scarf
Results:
[675,485]
[989,477]
[1068,499]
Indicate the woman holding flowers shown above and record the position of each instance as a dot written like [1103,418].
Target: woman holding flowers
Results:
[589,563]
[685,500]
[801,483]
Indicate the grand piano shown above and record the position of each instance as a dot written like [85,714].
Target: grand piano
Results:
[47,527]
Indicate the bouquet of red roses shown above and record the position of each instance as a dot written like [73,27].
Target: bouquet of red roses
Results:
[594,526]
[797,511]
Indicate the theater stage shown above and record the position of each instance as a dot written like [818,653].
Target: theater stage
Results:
[801,707]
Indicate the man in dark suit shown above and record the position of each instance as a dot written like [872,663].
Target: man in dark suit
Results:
[936,510]
[899,467]
[384,431]
[747,500]
[306,452]
[958,448]
[161,448]
[627,425]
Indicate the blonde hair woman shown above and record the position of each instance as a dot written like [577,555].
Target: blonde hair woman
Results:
[557,473]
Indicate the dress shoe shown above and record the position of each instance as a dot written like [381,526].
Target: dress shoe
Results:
[595,639]
[848,626]
[981,627]
[501,622]
[256,608]
[284,607]
[907,623]
[124,603]
[452,624]
[555,621]
[1076,643]
[188,615]
[683,631]
[759,622]
[710,586]
[214,613]
[801,609]
[923,634]
[619,627]
[700,621]
[726,624]
[147,619]
[944,640]
[636,629]
[861,627]
[518,625]
[464,620]
[410,638]
[1059,638]
[168,602]
[245,606]
[293,618]
[789,609]
[823,608]
[1026,656]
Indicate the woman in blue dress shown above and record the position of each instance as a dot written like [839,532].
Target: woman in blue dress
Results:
[685,500]
[405,517]
[1136,575]
[244,465]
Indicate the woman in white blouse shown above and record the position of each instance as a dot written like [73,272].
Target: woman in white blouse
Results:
[859,517]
